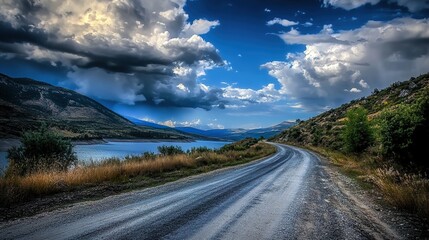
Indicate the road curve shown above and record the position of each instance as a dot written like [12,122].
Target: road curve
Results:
[285,196]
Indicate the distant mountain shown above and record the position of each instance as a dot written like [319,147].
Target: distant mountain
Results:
[239,133]
[26,103]
[191,132]
[146,123]
[221,134]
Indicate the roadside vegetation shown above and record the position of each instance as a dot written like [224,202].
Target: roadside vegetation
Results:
[45,165]
[381,140]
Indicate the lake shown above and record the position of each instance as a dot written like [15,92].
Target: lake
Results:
[97,152]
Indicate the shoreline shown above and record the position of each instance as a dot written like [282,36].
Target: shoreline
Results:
[7,143]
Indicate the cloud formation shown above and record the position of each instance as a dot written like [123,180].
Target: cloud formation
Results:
[126,51]
[411,5]
[372,56]
[283,22]
[267,94]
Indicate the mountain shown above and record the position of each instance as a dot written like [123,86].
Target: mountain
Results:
[221,134]
[325,129]
[239,133]
[26,103]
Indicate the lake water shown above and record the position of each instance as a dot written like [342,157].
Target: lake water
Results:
[97,152]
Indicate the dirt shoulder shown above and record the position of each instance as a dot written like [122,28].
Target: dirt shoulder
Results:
[385,221]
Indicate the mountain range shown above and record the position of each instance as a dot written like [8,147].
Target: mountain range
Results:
[223,134]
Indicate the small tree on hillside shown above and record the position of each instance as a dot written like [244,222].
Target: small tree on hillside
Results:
[357,134]
[41,150]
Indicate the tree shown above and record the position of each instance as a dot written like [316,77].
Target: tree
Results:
[357,133]
[41,150]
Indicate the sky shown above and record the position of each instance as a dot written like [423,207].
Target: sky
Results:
[216,64]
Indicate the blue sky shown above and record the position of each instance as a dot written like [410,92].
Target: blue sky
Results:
[217,64]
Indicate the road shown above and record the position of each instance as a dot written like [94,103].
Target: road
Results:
[286,196]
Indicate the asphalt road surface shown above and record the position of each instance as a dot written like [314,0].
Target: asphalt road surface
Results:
[285,196]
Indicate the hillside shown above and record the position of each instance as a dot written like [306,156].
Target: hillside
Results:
[324,130]
[26,103]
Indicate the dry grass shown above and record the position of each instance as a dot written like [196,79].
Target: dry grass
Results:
[409,191]
[22,188]
[406,191]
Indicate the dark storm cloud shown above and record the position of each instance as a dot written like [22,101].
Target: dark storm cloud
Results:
[131,47]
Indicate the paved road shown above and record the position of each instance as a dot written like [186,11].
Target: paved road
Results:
[286,196]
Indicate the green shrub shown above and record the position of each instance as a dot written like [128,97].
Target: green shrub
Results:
[404,132]
[357,133]
[41,150]
[170,150]
[199,150]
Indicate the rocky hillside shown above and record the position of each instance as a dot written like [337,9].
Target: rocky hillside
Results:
[325,129]
[26,103]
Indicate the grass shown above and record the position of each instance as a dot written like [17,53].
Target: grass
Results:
[152,168]
[404,190]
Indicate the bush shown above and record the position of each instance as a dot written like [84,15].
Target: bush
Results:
[357,133]
[170,150]
[199,150]
[41,150]
[404,131]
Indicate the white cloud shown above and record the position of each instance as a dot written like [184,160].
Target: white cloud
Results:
[200,26]
[146,119]
[283,22]
[183,88]
[307,24]
[379,52]
[411,5]
[266,94]
[192,123]
[349,4]
[298,105]
[267,10]
[325,36]
[354,90]
[168,123]
[363,84]
[204,87]
[182,71]
[196,123]
[234,106]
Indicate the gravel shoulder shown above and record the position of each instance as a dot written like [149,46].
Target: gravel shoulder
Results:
[366,207]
